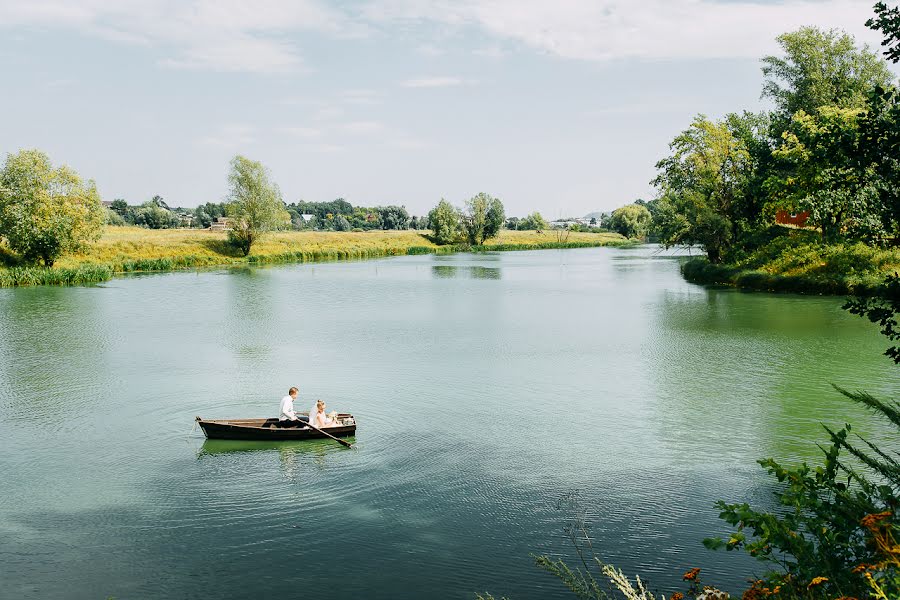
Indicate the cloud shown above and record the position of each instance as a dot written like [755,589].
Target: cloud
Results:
[435,82]
[492,52]
[620,29]
[363,127]
[224,35]
[303,132]
[230,137]
[262,36]
[360,96]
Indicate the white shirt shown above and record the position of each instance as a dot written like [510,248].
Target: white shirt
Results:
[287,409]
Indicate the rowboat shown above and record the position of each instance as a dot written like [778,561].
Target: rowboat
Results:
[271,429]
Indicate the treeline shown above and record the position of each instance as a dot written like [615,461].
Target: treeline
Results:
[340,215]
[337,215]
[827,152]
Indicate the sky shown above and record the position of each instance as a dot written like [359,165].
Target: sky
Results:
[559,106]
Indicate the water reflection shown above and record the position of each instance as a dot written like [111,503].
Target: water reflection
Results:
[295,458]
[478,272]
[756,364]
[304,447]
[443,271]
[466,271]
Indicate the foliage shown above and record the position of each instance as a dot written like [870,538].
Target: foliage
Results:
[119,206]
[831,148]
[483,218]
[632,221]
[255,204]
[46,211]
[883,310]
[111,217]
[341,223]
[796,261]
[154,216]
[821,68]
[326,216]
[702,188]
[878,155]
[393,217]
[533,222]
[824,175]
[444,222]
[887,21]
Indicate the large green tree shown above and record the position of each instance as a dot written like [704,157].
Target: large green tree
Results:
[393,217]
[443,220]
[702,187]
[827,175]
[632,221]
[821,68]
[46,211]
[483,218]
[254,203]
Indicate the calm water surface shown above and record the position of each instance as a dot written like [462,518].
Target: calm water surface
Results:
[487,387]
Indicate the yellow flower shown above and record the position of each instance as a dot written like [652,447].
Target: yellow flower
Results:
[817,581]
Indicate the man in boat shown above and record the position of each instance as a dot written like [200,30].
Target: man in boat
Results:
[288,418]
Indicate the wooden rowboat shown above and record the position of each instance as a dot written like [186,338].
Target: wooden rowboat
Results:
[270,429]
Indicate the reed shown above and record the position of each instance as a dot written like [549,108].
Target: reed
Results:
[135,250]
[26,276]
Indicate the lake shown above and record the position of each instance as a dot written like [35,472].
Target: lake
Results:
[488,388]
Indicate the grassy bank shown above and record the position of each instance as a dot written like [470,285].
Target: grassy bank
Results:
[798,262]
[133,250]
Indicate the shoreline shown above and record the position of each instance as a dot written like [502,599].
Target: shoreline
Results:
[700,271]
[797,262]
[184,250]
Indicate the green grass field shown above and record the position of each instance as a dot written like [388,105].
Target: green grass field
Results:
[133,249]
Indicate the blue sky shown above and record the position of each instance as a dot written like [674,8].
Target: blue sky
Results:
[562,107]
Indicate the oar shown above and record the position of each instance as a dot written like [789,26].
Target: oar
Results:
[338,440]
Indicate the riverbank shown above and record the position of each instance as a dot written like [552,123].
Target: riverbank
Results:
[133,250]
[799,263]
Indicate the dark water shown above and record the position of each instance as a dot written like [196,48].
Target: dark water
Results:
[486,387]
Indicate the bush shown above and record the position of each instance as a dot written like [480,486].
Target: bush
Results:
[444,222]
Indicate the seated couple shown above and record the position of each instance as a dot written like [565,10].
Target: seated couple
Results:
[317,416]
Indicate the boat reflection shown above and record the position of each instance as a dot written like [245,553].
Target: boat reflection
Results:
[293,448]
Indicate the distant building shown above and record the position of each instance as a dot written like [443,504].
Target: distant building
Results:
[783,217]
[307,217]
[106,203]
[220,224]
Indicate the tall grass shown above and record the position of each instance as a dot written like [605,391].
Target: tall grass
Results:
[801,264]
[135,250]
[24,276]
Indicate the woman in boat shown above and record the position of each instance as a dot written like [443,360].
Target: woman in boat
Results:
[289,418]
[319,419]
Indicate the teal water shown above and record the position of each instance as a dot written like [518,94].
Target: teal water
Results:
[487,387]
